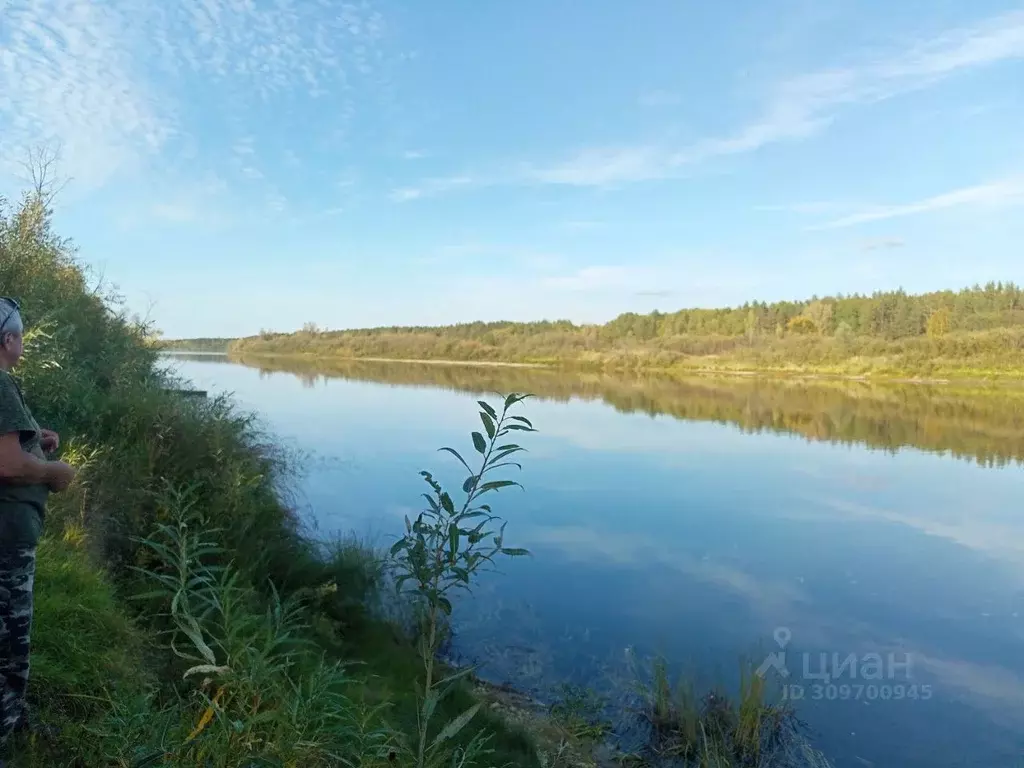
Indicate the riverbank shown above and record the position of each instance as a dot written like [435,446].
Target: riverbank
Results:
[981,336]
[186,614]
[954,375]
[1007,371]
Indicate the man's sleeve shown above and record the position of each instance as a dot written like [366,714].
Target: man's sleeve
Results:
[14,417]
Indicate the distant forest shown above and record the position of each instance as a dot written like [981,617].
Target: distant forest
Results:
[195,345]
[979,330]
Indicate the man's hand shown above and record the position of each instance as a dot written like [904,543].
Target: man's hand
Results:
[50,440]
[60,476]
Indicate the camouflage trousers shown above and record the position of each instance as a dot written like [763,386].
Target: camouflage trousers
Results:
[17,574]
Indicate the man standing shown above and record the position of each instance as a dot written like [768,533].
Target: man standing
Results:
[26,480]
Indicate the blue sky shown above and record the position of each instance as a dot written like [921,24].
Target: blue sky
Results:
[248,164]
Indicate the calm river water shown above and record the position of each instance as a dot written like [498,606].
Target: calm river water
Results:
[709,521]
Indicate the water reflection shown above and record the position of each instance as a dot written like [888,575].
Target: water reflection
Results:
[985,424]
[696,517]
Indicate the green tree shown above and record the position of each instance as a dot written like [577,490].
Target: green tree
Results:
[801,324]
[938,323]
[820,313]
[844,333]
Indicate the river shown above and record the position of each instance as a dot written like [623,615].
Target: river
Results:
[875,533]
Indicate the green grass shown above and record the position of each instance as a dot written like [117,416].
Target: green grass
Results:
[752,729]
[87,655]
[390,661]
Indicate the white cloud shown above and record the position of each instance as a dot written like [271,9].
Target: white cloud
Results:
[414,154]
[276,201]
[270,47]
[67,75]
[1005,192]
[803,105]
[109,80]
[798,108]
[812,207]
[596,278]
[405,194]
[604,166]
[244,146]
[430,187]
[883,244]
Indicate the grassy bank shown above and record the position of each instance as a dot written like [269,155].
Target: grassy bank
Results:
[985,355]
[213,345]
[179,530]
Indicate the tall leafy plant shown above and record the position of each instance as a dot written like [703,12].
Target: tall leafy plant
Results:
[442,550]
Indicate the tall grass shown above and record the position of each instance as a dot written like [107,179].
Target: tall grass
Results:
[754,729]
[254,689]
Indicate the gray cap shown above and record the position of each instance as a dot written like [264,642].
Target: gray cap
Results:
[10,316]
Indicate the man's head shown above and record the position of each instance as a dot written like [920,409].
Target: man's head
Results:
[11,330]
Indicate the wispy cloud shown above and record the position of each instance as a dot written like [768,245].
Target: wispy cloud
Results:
[269,48]
[1005,192]
[578,225]
[593,278]
[883,244]
[108,80]
[66,75]
[603,166]
[244,146]
[414,154]
[429,187]
[817,207]
[537,259]
[797,108]
[802,106]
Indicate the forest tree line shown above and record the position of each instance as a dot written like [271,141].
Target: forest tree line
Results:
[884,314]
[977,330]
